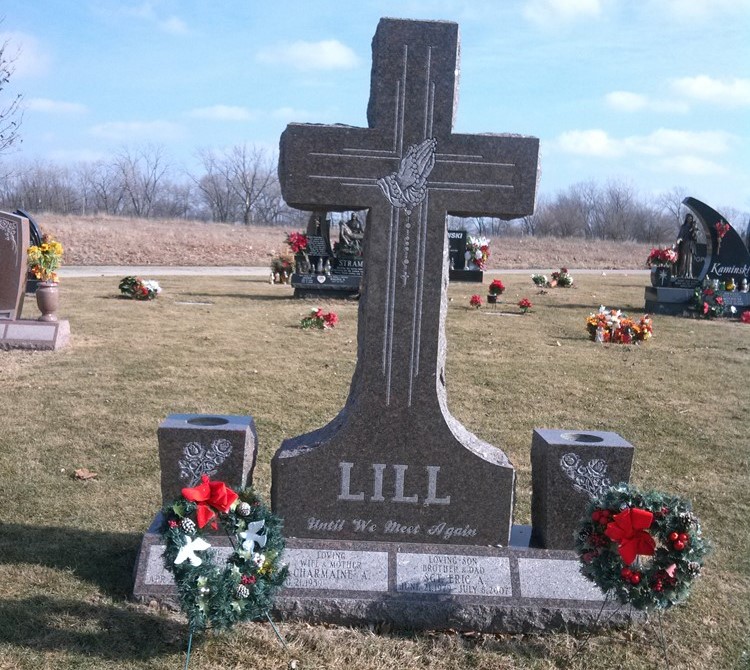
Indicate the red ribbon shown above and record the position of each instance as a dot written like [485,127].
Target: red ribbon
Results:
[211,497]
[628,529]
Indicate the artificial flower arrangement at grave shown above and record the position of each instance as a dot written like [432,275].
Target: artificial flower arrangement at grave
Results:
[212,594]
[524,304]
[643,549]
[475,301]
[136,288]
[721,230]
[611,325]
[496,287]
[745,317]
[44,259]
[707,303]
[540,280]
[298,244]
[282,267]
[319,319]
[563,278]
[478,251]
[659,258]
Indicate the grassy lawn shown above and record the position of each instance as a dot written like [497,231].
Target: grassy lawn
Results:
[67,547]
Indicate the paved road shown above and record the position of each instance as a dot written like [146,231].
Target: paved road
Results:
[149,271]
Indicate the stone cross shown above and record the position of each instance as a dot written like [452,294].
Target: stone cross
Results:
[14,241]
[394,464]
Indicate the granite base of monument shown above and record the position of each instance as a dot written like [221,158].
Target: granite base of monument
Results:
[476,276]
[34,335]
[513,589]
[325,286]
[678,301]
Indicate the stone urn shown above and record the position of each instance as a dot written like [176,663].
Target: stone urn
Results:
[48,300]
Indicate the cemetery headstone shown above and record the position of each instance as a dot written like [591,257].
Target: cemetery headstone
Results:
[395,465]
[329,274]
[457,249]
[35,238]
[14,241]
[715,257]
[15,332]
[394,512]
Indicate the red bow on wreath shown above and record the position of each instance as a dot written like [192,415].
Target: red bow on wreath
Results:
[628,529]
[210,496]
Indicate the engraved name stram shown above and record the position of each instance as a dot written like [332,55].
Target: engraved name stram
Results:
[398,492]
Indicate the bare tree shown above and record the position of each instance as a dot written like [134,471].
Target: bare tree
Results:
[253,173]
[141,171]
[215,186]
[10,112]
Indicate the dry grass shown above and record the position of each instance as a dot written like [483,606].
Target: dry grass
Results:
[67,547]
[105,240]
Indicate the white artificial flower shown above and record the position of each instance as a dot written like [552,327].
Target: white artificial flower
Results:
[259,559]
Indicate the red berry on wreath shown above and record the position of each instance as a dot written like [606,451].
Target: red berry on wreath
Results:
[626,573]
[635,578]
[683,537]
[673,536]
[679,545]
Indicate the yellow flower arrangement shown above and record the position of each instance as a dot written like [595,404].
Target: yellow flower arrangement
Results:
[44,259]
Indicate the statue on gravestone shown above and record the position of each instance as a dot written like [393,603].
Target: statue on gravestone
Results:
[687,239]
[351,235]
[319,225]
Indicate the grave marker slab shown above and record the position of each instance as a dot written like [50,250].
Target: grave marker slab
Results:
[14,241]
[394,464]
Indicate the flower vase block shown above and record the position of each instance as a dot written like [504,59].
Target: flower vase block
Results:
[191,445]
[568,469]
[48,300]
[491,298]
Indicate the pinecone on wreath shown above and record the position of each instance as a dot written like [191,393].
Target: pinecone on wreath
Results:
[244,509]
[188,526]
[242,591]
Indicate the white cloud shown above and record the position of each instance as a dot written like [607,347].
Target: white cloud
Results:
[223,113]
[689,10]
[324,55]
[588,143]
[47,106]
[691,165]
[27,56]
[734,92]
[290,114]
[174,25]
[124,131]
[660,143]
[551,12]
[626,101]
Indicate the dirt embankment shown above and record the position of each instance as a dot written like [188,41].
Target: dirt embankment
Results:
[108,240]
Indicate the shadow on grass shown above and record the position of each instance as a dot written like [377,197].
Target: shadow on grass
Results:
[105,559]
[244,296]
[110,632]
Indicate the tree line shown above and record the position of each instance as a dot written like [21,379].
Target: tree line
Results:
[240,185]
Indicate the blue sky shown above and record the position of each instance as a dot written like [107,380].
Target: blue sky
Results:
[652,93]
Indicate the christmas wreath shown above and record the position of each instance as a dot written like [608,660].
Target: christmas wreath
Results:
[646,549]
[212,594]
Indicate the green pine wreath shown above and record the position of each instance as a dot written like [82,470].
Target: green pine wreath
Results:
[211,593]
[645,549]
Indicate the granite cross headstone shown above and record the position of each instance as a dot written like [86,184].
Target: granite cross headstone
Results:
[394,464]
[14,241]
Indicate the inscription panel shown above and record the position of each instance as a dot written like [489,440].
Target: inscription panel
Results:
[453,574]
[555,579]
[336,569]
[158,575]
